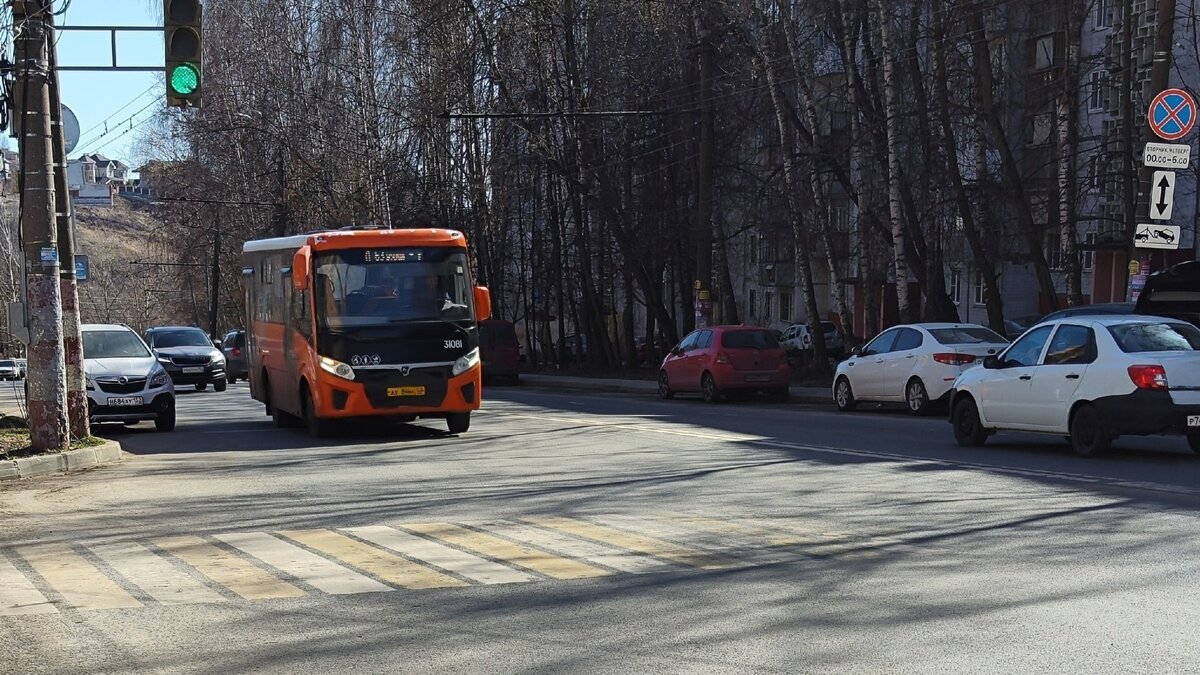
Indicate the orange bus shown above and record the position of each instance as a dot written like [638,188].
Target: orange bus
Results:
[364,323]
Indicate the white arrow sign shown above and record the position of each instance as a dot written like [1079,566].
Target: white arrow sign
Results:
[1162,195]
[1154,235]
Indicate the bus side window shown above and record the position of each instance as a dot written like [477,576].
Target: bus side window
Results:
[300,314]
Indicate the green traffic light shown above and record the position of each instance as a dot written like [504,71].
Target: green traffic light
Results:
[185,79]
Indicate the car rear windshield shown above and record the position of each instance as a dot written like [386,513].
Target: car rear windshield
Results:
[750,339]
[969,335]
[1134,338]
[112,344]
[184,337]
[8,364]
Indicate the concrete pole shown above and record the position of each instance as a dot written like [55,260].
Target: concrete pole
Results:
[77,400]
[46,381]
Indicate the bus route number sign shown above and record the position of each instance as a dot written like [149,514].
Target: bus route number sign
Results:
[390,256]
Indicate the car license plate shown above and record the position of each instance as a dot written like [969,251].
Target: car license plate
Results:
[125,400]
[758,378]
[1194,420]
[193,371]
[406,391]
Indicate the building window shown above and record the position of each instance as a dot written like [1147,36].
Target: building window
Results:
[1089,254]
[753,304]
[1044,52]
[1104,13]
[1054,254]
[769,298]
[785,305]
[754,249]
[979,294]
[839,216]
[955,285]
[1098,91]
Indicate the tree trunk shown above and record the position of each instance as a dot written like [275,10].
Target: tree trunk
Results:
[891,100]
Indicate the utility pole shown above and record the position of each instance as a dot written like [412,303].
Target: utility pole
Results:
[46,381]
[1160,78]
[214,299]
[704,187]
[77,401]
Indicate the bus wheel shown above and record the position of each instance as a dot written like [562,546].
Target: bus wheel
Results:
[317,427]
[458,423]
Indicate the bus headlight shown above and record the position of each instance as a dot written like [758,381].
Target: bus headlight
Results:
[338,368]
[465,363]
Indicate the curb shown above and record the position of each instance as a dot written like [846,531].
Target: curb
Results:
[546,382]
[65,462]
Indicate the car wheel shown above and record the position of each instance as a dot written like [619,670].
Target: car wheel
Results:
[968,428]
[664,386]
[843,395]
[1088,436]
[781,395]
[316,427]
[1194,442]
[708,387]
[458,423]
[220,385]
[202,386]
[165,420]
[231,379]
[917,397]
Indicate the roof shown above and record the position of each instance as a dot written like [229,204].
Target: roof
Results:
[359,238]
[158,328]
[103,326]
[1112,319]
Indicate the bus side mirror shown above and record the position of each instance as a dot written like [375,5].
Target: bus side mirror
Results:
[301,265]
[483,303]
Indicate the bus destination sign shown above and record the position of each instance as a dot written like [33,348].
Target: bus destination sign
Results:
[390,256]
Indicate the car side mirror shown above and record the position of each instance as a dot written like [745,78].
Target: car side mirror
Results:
[301,266]
[857,351]
[992,363]
[217,343]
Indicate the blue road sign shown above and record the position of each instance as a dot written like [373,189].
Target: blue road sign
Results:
[1172,114]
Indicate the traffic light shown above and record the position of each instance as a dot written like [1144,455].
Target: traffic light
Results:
[182,33]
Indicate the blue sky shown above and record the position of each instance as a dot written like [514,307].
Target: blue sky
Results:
[109,100]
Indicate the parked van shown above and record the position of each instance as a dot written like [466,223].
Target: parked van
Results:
[499,349]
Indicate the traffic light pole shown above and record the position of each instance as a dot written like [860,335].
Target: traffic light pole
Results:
[77,400]
[46,380]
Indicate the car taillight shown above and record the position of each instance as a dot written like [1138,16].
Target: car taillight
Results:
[237,351]
[1148,377]
[954,359]
[722,357]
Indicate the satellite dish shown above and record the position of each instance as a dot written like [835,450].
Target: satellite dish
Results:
[70,129]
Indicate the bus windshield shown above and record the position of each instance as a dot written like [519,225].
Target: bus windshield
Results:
[372,287]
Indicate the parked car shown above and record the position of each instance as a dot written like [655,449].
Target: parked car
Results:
[233,347]
[1102,309]
[798,338]
[125,382]
[499,349]
[1173,292]
[1015,328]
[189,356]
[914,364]
[23,364]
[723,359]
[9,370]
[643,347]
[1091,378]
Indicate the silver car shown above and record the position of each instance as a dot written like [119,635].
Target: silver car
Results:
[9,369]
[125,382]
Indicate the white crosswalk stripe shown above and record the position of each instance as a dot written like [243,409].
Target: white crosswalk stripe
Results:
[439,555]
[18,595]
[310,568]
[154,575]
[618,559]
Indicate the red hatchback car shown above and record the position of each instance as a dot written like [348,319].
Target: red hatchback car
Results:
[713,361]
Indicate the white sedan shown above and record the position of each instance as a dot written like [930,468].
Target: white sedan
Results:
[915,364]
[1091,378]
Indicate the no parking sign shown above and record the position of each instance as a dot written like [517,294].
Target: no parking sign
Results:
[1172,114]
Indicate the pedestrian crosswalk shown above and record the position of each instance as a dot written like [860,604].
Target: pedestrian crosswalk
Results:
[293,563]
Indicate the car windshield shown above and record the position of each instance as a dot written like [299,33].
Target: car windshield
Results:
[749,339]
[376,287]
[8,364]
[112,344]
[182,337]
[828,327]
[966,335]
[1156,337]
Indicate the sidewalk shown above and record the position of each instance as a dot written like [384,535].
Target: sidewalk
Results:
[599,384]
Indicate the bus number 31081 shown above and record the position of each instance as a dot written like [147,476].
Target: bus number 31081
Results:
[453,344]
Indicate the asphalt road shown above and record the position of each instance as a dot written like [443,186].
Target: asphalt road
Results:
[569,532]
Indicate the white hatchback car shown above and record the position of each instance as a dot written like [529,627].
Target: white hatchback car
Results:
[914,364]
[1091,378]
[125,382]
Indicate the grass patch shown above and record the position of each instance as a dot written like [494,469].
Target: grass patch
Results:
[15,443]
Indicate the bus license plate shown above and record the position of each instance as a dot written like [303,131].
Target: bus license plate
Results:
[1194,420]
[406,391]
[125,401]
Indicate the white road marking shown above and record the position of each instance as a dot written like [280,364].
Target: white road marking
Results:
[618,559]
[18,595]
[77,580]
[439,555]
[308,567]
[155,575]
